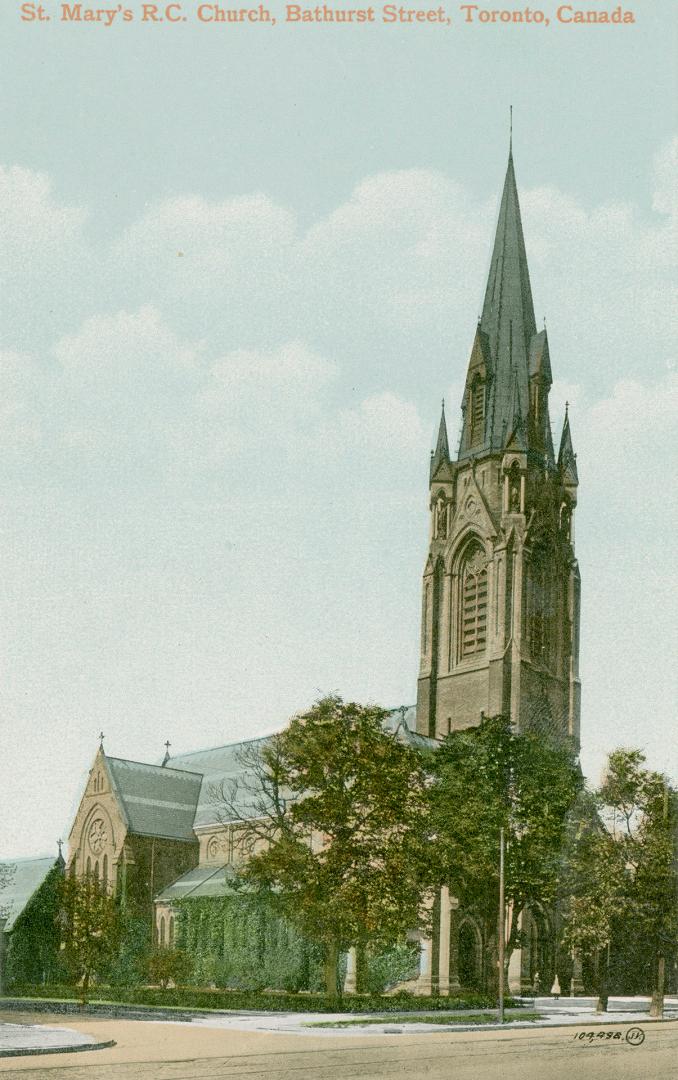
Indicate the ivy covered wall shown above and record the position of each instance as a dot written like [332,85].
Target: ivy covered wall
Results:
[240,942]
[33,952]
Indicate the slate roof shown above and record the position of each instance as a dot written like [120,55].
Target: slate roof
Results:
[223,765]
[403,723]
[156,800]
[220,765]
[23,878]
[201,881]
[507,325]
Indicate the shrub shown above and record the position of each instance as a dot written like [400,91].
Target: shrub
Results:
[199,999]
[164,966]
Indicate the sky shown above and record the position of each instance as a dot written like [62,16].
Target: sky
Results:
[239,267]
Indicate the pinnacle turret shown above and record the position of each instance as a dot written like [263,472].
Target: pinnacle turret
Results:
[567,459]
[442,450]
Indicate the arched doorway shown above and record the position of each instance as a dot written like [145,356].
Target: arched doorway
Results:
[541,949]
[470,956]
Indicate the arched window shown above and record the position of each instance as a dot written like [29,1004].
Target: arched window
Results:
[96,870]
[171,931]
[473,614]
[162,930]
[104,873]
[540,599]
[426,607]
[88,868]
[515,489]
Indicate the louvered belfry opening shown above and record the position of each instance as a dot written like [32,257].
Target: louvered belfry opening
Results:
[477,426]
[474,602]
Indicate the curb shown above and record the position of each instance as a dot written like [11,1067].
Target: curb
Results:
[38,1051]
[513,1025]
[110,1011]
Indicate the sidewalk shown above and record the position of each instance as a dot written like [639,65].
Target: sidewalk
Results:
[21,1040]
[24,1038]
[554,1013]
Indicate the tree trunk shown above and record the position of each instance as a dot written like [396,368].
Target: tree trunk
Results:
[84,987]
[492,966]
[604,983]
[657,1003]
[332,969]
[361,969]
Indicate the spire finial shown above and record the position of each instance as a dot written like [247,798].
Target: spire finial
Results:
[60,844]
[510,130]
[567,408]
[167,753]
[101,740]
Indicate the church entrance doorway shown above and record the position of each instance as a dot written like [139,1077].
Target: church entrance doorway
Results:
[470,956]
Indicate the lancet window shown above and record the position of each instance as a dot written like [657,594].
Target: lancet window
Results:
[473,613]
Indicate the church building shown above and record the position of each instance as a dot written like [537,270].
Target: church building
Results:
[499,634]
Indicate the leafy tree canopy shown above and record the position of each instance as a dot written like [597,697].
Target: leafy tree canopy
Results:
[90,930]
[489,777]
[339,822]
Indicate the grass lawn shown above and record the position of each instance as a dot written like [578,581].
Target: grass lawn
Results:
[470,1018]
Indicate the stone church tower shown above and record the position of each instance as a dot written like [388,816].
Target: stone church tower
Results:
[500,611]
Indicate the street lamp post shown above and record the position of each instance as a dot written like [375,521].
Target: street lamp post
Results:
[501,928]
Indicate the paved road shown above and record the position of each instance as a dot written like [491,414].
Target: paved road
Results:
[160,1051]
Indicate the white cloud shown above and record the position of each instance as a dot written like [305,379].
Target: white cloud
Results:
[637,409]
[384,423]
[32,221]
[122,346]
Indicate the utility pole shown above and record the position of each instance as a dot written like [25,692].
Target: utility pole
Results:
[501,929]
[2,956]
[657,1002]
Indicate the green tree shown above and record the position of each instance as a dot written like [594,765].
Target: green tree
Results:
[337,820]
[592,888]
[90,930]
[619,875]
[168,965]
[486,778]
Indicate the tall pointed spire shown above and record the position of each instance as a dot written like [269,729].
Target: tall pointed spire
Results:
[442,450]
[508,296]
[508,312]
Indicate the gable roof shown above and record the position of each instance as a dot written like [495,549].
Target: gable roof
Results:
[156,800]
[200,881]
[224,765]
[22,879]
[220,765]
